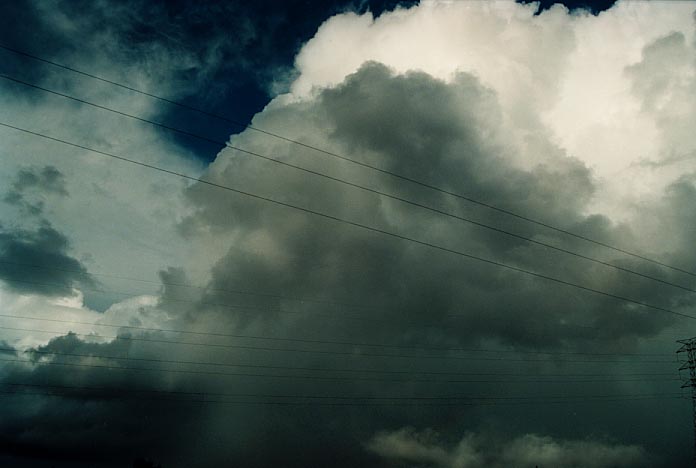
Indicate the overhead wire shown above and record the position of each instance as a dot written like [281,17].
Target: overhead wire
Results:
[328,342]
[238,308]
[358,186]
[44,351]
[248,308]
[121,392]
[355,403]
[376,375]
[253,309]
[205,397]
[352,223]
[190,332]
[242,308]
[531,240]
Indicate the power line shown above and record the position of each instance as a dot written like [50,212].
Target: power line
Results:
[312,369]
[355,224]
[399,376]
[354,161]
[328,342]
[164,330]
[361,187]
[247,309]
[343,343]
[356,403]
[121,391]
[239,308]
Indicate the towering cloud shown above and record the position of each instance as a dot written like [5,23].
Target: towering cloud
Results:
[326,324]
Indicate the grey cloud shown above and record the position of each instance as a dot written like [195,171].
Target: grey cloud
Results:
[677,210]
[407,294]
[70,343]
[48,179]
[175,297]
[453,135]
[664,81]
[31,183]
[167,428]
[667,161]
[658,71]
[39,262]
[410,448]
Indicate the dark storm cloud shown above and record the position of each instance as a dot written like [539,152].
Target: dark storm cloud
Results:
[453,135]
[449,135]
[388,291]
[121,425]
[125,414]
[39,262]
[427,130]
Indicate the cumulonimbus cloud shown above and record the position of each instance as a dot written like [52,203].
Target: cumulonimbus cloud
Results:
[531,113]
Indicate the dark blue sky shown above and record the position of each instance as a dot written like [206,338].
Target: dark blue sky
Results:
[240,87]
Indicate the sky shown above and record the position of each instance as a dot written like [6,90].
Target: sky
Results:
[447,234]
